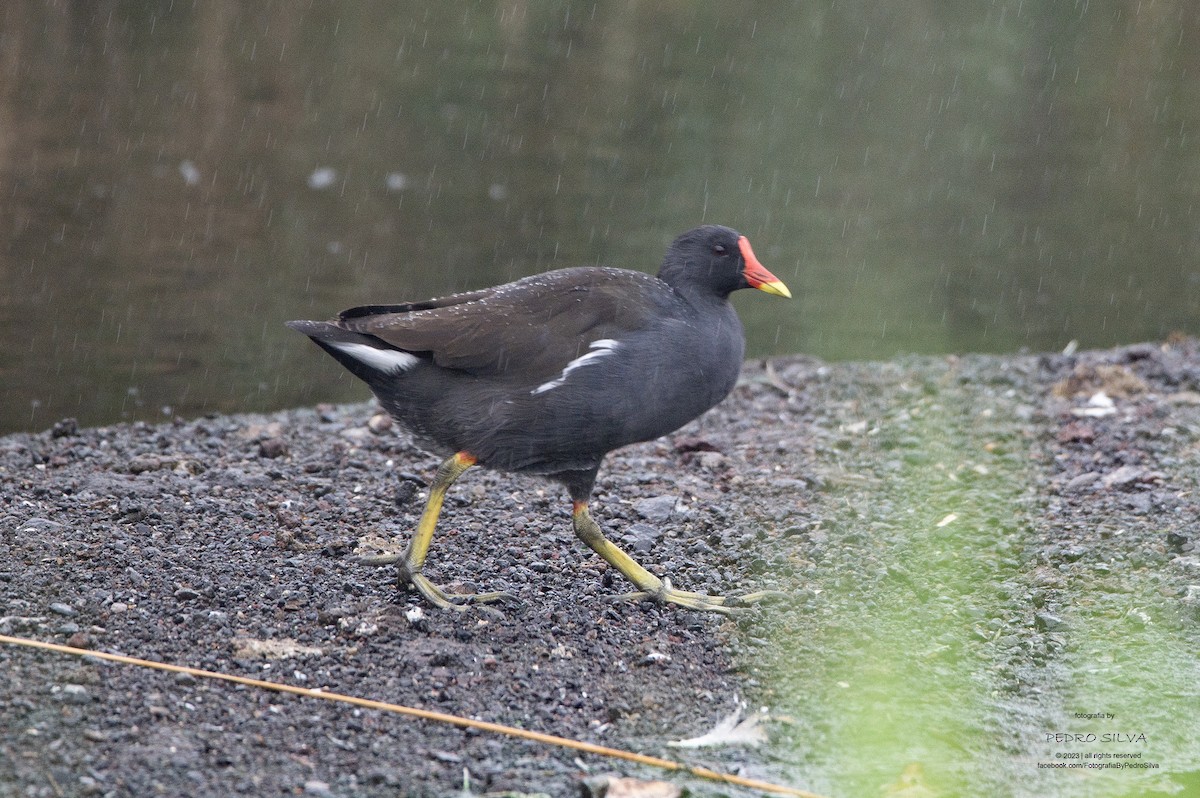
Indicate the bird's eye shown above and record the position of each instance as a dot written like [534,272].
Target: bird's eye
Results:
[719,249]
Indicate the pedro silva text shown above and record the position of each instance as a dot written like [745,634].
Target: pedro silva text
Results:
[1106,737]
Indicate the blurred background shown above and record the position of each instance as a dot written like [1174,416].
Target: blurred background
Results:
[177,179]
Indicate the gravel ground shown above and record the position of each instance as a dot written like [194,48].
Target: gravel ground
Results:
[228,543]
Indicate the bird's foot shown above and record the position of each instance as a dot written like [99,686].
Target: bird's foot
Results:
[435,594]
[702,602]
[448,601]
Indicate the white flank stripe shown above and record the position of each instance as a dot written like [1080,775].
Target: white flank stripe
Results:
[600,348]
[386,360]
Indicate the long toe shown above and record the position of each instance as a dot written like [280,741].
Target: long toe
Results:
[452,601]
[381,559]
[754,598]
[701,602]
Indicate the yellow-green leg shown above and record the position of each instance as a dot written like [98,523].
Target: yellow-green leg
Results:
[649,586]
[414,558]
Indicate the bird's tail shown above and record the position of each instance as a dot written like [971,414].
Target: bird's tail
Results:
[365,356]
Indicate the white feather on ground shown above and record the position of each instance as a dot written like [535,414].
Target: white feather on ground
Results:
[730,730]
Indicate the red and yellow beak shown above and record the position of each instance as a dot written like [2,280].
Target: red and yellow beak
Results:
[757,275]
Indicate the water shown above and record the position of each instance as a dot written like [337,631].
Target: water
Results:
[178,179]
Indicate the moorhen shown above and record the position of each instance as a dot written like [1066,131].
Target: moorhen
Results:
[548,374]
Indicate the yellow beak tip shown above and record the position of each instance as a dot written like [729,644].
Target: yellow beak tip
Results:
[776,287]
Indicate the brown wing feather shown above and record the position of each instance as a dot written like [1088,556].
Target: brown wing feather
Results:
[536,325]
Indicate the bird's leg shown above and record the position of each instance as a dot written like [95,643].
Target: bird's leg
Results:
[649,586]
[414,558]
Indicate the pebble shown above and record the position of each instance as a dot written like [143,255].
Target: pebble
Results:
[657,509]
[1080,482]
[1140,503]
[1073,553]
[59,608]
[1009,641]
[380,423]
[641,537]
[36,524]
[1048,621]
[405,492]
[272,448]
[74,694]
[1124,477]
[64,428]
[355,434]
[143,463]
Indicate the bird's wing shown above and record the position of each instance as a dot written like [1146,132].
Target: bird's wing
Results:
[533,327]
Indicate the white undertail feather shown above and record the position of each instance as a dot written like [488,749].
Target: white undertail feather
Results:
[600,348]
[389,361]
